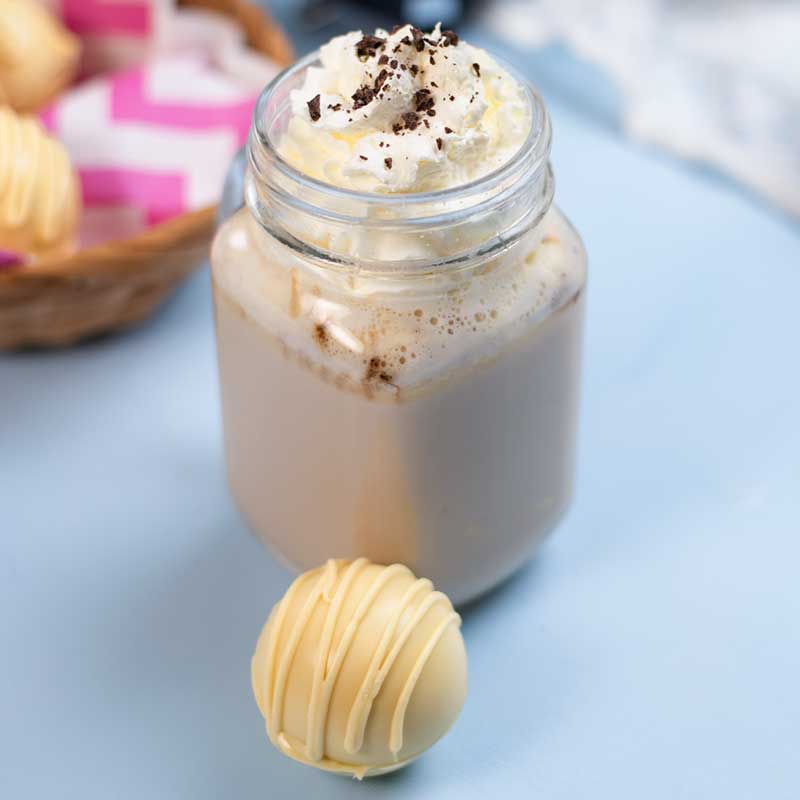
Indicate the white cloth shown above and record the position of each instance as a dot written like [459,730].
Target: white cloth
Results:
[712,80]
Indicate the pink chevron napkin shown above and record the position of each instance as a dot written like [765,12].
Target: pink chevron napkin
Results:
[154,140]
[114,33]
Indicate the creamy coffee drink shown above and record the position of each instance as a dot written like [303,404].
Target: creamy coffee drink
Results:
[399,314]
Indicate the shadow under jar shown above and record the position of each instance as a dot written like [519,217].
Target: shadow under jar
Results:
[400,373]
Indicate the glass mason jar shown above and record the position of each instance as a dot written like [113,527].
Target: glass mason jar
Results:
[400,373]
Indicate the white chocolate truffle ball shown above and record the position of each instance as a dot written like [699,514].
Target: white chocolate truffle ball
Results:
[39,193]
[38,56]
[360,668]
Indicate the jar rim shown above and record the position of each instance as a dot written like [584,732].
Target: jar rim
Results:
[274,188]
[536,146]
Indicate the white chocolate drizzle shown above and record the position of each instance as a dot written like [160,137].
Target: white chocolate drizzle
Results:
[333,588]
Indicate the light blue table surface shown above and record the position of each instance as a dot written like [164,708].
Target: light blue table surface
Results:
[652,650]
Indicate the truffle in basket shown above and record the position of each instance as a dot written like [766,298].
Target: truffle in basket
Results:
[39,192]
[38,56]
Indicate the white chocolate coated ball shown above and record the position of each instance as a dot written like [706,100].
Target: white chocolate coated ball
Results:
[360,668]
[38,56]
[39,194]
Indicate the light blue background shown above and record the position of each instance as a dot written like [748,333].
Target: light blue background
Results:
[651,651]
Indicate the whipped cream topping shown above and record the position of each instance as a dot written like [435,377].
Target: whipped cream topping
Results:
[404,111]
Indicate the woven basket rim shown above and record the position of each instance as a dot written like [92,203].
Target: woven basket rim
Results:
[85,259]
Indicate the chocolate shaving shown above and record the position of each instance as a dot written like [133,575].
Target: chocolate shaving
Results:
[434,84]
[419,40]
[430,112]
[363,158]
[477,68]
[410,120]
[313,109]
[448,130]
[396,28]
[388,162]
[414,69]
[405,40]
[368,46]
[384,59]
[423,100]
[381,79]
[449,38]
[439,142]
[433,61]
[363,96]
[337,107]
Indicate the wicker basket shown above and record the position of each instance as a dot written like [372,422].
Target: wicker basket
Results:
[117,284]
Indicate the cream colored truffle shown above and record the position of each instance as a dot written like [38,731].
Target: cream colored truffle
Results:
[360,668]
[38,56]
[39,194]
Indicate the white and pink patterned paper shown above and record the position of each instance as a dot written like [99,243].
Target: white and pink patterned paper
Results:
[154,140]
[114,33]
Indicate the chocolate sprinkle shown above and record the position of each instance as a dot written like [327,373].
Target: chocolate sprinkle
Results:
[363,96]
[388,162]
[423,100]
[381,79]
[477,68]
[449,37]
[410,120]
[368,46]
[313,109]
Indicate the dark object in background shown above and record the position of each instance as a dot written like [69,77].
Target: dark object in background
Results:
[423,13]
